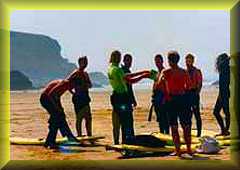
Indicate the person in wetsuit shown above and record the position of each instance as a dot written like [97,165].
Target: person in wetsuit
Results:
[127,63]
[81,99]
[178,84]
[194,93]
[223,68]
[158,97]
[50,100]
[120,99]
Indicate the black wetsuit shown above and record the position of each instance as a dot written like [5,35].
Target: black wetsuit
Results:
[56,121]
[131,100]
[161,109]
[223,98]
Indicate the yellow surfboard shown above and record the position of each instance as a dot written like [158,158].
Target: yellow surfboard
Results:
[169,140]
[209,133]
[41,141]
[137,148]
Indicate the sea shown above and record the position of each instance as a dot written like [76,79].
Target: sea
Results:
[147,85]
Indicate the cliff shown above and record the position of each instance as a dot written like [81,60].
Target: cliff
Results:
[19,81]
[39,58]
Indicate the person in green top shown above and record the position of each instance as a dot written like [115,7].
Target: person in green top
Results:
[120,99]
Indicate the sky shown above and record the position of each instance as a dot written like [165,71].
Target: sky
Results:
[143,34]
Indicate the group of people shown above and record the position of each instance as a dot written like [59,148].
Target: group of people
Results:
[175,98]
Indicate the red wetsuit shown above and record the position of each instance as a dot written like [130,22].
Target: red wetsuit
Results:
[177,84]
[195,78]
[177,81]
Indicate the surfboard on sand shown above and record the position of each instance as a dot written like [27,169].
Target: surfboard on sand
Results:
[169,141]
[124,147]
[41,141]
[169,145]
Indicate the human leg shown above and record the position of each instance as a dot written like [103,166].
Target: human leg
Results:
[216,112]
[173,122]
[79,124]
[88,120]
[52,133]
[226,111]
[53,125]
[176,139]
[159,116]
[196,112]
[185,117]
[116,127]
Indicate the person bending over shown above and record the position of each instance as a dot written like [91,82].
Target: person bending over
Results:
[50,100]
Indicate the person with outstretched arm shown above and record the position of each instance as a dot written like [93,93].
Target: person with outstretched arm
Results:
[120,99]
[127,63]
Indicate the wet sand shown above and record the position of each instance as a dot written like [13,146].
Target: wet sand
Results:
[29,119]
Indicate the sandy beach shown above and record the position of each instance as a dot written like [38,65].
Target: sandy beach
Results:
[29,119]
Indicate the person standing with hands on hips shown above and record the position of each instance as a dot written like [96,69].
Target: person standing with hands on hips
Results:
[194,93]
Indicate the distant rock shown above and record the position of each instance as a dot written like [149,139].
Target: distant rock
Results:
[38,57]
[19,81]
[98,79]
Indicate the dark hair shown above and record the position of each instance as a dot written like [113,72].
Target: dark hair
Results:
[190,56]
[222,61]
[84,58]
[173,57]
[115,56]
[127,56]
[159,56]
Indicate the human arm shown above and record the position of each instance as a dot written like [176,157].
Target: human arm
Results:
[199,81]
[136,77]
[188,83]
[71,76]
[88,81]
[139,73]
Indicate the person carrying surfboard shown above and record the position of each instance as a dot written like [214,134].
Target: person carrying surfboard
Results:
[81,99]
[177,84]
[50,100]
[120,99]
[223,68]
[196,86]
[159,95]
